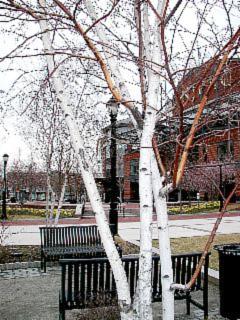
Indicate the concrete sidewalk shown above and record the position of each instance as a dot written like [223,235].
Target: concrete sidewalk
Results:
[184,228]
[29,234]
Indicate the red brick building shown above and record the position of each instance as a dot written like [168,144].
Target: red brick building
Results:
[218,142]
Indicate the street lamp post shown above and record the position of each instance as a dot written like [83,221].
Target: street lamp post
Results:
[4,192]
[113,212]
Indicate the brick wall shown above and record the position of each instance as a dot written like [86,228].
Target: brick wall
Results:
[127,185]
[212,149]
[227,83]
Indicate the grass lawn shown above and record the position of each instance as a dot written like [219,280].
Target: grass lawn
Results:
[192,244]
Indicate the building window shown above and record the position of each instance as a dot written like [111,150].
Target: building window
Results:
[204,153]
[134,165]
[202,90]
[108,152]
[225,150]
[108,170]
[194,154]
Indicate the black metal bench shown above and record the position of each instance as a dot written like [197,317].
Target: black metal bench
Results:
[70,242]
[88,283]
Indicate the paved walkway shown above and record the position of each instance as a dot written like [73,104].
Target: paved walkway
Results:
[184,228]
[27,232]
[28,294]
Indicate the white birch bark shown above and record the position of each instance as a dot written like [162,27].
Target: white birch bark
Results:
[164,243]
[146,36]
[146,206]
[47,200]
[60,202]
[107,240]
[53,200]
[145,179]
[160,200]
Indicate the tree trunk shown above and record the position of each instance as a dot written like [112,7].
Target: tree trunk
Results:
[164,243]
[60,202]
[146,208]
[47,200]
[104,230]
[145,174]
[53,200]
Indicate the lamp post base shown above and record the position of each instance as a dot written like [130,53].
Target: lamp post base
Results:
[113,218]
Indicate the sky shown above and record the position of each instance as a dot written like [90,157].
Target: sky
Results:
[11,142]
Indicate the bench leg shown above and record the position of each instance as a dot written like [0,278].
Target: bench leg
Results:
[41,264]
[188,297]
[45,266]
[61,313]
[205,306]
[42,261]
[205,299]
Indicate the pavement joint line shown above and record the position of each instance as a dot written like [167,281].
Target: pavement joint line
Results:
[192,228]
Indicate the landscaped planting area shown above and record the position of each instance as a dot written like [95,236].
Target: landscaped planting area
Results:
[201,207]
[20,212]
[195,208]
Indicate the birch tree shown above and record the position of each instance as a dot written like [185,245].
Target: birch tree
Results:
[50,139]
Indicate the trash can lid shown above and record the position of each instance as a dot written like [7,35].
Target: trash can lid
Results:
[228,248]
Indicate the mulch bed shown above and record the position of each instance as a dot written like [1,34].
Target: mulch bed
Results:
[27,253]
[32,253]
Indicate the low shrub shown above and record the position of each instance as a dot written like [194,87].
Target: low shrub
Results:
[66,213]
[195,208]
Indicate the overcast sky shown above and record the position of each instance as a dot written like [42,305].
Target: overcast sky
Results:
[12,143]
[10,140]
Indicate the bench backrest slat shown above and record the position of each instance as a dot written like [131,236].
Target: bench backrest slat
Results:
[76,283]
[63,281]
[82,295]
[156,278]
[194,264]
[189,268]
[132,276]
[69,286]
[183,273]
[178,270]
[69,236]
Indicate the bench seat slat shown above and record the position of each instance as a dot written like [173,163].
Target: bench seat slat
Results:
[59,251]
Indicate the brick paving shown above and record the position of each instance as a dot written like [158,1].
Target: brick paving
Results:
[127,218]
[29,294]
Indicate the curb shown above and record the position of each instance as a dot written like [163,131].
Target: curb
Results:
[213,276]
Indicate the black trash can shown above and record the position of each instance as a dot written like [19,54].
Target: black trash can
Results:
[229,280]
